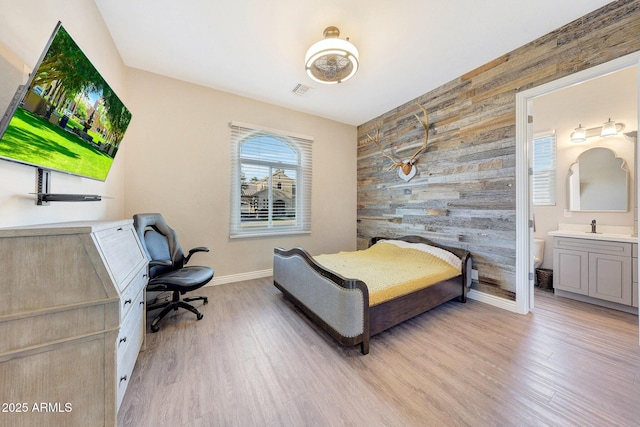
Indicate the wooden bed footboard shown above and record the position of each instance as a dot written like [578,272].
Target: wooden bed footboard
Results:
[337,304]
[340,305]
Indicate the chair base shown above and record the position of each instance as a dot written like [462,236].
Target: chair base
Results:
[175,304]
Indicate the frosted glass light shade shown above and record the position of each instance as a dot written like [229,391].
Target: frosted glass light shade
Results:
[331,60]
[609,128]
[579,134]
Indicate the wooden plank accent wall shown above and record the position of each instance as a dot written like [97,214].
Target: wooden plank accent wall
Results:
[464,194]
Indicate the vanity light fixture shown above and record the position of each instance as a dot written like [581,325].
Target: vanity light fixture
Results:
[579,134]
[331,60]
[609,128]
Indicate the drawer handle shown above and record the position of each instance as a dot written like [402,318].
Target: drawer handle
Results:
[123,340]
[123,378]
[120,228]
[141,303]
[127,301]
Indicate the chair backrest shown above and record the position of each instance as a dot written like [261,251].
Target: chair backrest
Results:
[159,241]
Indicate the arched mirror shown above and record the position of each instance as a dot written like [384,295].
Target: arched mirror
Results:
[598,181]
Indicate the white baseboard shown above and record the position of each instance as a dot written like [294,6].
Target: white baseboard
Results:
[493,300]
[231,278]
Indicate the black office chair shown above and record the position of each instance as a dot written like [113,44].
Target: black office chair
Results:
[167,270]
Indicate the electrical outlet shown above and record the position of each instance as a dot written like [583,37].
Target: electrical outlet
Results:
[474,274]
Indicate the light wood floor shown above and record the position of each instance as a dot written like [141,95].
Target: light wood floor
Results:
[256,361]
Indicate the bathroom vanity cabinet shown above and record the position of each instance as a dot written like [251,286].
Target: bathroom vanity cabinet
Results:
[596,271]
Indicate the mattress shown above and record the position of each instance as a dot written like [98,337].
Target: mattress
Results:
[392,268]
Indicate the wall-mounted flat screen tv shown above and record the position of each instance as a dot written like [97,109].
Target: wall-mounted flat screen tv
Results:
[66,117]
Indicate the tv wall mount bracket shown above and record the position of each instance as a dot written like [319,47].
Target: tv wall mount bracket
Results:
[44,195]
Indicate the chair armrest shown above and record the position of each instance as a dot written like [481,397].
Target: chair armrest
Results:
[194,250]
[163,262]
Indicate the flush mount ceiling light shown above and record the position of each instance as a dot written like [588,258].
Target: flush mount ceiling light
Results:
[609,128]
[331,60]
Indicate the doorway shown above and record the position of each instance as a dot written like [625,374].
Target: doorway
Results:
[524,134]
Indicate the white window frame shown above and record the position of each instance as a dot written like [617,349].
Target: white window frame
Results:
[543,165]
[302,146]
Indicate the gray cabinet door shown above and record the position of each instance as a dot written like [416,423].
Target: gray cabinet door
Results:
[610,278]
[572,273]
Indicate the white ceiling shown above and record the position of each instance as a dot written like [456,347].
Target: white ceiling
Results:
[256,48]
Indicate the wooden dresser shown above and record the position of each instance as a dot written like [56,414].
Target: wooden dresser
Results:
[71,321]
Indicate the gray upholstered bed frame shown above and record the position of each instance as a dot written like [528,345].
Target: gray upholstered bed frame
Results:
[341,306]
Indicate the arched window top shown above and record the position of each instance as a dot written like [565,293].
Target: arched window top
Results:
[267,148]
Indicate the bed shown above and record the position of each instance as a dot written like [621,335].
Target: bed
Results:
[345,308]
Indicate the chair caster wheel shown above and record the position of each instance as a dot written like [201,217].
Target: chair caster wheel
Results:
[155,328]
[205,301]
[200,316]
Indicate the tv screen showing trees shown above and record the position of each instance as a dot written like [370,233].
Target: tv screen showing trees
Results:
[68,118]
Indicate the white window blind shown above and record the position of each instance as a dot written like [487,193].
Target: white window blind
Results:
[544,169]
[270,182]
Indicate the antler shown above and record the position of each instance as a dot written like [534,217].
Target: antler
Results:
[424,124]
[408,165]
[376,140]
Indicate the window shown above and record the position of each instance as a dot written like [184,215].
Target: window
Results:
[544,169]
[271,182]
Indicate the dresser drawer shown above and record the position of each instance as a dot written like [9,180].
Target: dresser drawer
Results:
[128,345]
[131,291]
[131,326]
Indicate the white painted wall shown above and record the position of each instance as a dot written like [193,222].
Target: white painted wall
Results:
[590,104]
[25,28]
[179,166]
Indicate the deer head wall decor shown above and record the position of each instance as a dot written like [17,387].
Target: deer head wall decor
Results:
[406,168]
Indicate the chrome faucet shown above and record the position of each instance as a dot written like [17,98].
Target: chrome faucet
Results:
[593,226]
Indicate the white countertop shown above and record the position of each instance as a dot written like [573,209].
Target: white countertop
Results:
[604,232]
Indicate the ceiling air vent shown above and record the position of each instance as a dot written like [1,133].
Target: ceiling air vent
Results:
[301,89]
